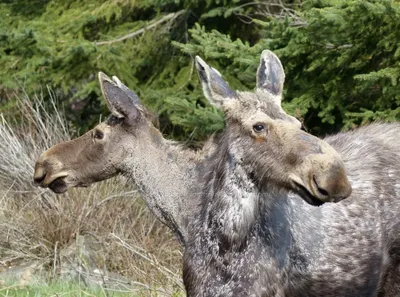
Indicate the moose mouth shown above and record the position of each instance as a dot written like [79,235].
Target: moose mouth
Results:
[56,182]
[58,185]
[307,196]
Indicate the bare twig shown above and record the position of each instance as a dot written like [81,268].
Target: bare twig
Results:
[277,10]
[343,46]
[141,31]
[151,259]
[55,259]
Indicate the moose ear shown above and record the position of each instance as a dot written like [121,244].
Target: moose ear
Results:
[270,74]
[121,101]
[216,90]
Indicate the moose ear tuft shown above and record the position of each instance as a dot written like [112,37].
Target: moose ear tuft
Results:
[270,74]
[215,88]
[121,101]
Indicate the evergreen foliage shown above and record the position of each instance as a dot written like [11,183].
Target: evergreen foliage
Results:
[63,44]
[340,56]
[341,59]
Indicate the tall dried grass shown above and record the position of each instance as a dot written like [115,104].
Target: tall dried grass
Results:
[36,224]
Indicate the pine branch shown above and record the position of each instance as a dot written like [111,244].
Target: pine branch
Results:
[168,17]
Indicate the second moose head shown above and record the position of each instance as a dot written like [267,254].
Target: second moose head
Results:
[269,143]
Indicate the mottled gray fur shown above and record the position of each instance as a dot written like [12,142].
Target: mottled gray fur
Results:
[254,238]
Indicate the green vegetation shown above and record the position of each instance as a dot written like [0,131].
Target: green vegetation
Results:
[341,60]
[63,44]
[341,57]
[12,289]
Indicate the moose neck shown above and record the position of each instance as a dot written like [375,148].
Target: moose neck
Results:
[234,205]
[164,174]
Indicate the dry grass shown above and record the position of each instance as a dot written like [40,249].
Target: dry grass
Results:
[36,224]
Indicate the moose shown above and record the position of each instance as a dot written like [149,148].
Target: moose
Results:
[128,143]
[245,208]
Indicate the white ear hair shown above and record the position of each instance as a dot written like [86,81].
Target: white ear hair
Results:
[270,75]
[216,71]
[121,101]
[117,81]
[102,78]
[215,89]
[128,91]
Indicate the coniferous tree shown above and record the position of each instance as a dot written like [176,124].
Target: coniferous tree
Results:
[340,57]
[341,60]
[63,44]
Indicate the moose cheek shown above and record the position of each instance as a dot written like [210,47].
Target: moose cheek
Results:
[259,139]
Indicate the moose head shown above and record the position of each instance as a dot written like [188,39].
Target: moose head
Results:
[103,151]
[270,144]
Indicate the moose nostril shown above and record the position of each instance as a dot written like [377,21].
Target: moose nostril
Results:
[39,179]
[320,190]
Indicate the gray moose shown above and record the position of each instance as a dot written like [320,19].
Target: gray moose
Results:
[256,236]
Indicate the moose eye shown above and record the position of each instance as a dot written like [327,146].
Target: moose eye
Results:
[98,135]
[258,128]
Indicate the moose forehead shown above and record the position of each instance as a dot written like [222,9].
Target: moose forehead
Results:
[258,107]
